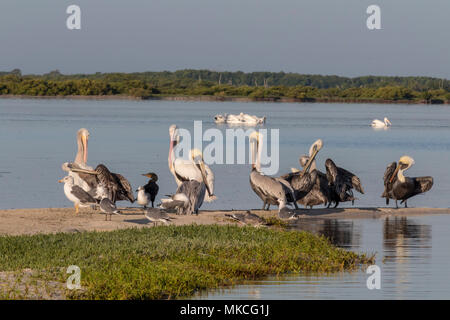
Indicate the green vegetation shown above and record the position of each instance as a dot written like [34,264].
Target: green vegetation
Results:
[256,85]
[171,261]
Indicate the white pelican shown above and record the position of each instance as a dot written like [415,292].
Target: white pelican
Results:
[399,187]
[186,170]
[190,194]
[381,124]
[270,190]
[242,118]
[76,194]
[147,193]
[99,183]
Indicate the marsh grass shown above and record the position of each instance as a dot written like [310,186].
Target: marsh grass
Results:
[170,262]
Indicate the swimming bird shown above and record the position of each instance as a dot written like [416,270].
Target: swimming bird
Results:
[156,215]
[399,187]
[76,194]
[185,170]
[190,194]
[270,190]
[148,192]
[247,218]
[381,124]
[108,208]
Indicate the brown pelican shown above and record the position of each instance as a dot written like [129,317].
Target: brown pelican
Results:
[148,192]
[334,186]
[303,181]
[270,190]
[319,193]
[185,170]
[190,194]
[76,194]
[399,187]
[108,208]
[341,183]
[99,183]
[157,215]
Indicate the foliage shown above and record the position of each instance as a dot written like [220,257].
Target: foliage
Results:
[172,261]
[256,85]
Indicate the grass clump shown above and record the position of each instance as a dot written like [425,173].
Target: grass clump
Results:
[172,261]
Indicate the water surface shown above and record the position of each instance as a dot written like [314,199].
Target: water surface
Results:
[131,137]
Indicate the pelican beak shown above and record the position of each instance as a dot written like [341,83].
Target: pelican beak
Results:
[311,159]
[84,141]
[395,173]
[61,180]
[84,171]
[201,166]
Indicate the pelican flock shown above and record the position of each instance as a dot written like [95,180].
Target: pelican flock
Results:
[85,186]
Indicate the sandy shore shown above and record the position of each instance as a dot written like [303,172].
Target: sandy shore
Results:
[53,220]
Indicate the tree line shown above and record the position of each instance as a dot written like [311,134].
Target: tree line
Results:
[255,85]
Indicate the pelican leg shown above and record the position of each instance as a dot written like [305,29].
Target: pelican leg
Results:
[268,206]
[264,206]
[337,203]
[77,208]
[406,203]
[396,204]
[153,204]
[295,205]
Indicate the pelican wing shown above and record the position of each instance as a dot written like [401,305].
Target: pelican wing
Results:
[342,181]
[389,172]
[288,190]
[82,195]
[125,192]
[422,184]
[267,187]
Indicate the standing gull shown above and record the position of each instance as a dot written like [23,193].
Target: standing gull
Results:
[108,208]
[156,215]
[76,194]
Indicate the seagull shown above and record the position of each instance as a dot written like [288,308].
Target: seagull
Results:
[76,194]
[247,218]
[108,208]
[156,215]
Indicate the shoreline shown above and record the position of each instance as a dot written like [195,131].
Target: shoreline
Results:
[56,220]
[226,99]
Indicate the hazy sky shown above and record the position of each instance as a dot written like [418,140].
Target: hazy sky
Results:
[305,36]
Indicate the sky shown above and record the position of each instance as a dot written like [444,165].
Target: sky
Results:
[304,36]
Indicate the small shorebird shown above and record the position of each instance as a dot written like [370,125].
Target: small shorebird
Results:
[76,194]
[381,124]
[286,214]
[156,215]
[247,218]
[148,193]
[108,208]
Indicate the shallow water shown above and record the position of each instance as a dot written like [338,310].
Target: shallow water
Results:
[131,137]
[412,254]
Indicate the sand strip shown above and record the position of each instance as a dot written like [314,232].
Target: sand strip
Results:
[53,220]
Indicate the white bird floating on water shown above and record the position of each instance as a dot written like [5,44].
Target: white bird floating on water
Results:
[242,118]
[381,124]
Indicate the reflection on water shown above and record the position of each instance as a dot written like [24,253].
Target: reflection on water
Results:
[411,252]
[340,232]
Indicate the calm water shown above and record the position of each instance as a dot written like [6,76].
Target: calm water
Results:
[131,137]
[412,254]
